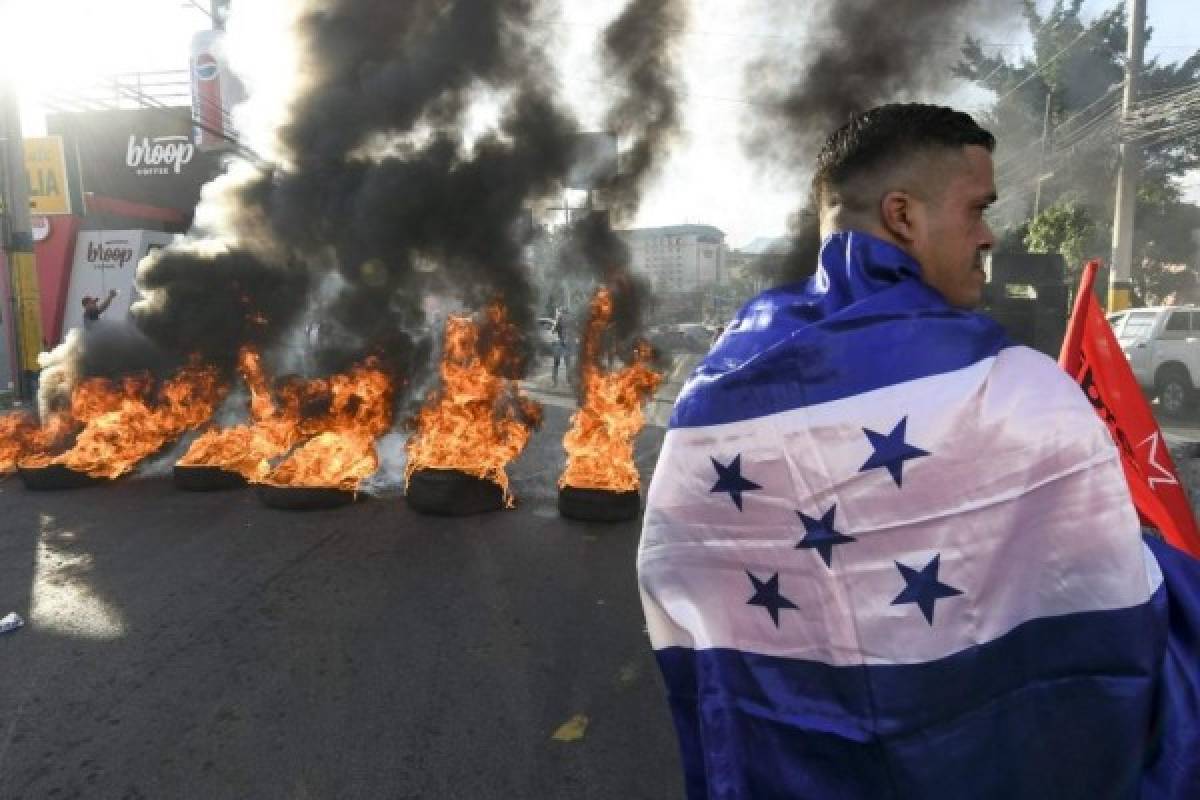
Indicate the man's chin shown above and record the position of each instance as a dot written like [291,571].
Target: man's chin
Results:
[970,297]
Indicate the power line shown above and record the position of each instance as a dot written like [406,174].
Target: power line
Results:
[1045,66]
[1041,29]
[1064,136]
[198,7]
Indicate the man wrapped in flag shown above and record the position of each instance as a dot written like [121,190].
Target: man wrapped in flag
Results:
[889,554]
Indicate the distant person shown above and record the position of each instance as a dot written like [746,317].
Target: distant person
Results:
[93,308]
[717,336]
[559,331]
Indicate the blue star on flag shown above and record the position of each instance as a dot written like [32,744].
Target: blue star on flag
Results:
[891,451]
[766,594]
[923,587]
[820,535]
[729,479]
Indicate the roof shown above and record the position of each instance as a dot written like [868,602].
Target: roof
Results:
[675,230]
[763,245]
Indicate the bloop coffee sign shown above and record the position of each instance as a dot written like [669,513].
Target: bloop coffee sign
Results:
[145,156]
[162,155]
[109,253]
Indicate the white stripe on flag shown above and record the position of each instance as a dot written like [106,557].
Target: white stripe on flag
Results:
[1022,498]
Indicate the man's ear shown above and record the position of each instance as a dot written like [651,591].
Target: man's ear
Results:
[897,211]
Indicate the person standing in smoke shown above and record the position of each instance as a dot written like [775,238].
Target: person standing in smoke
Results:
[887,552]
[93,308]
[559,331]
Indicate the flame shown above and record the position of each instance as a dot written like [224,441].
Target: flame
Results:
[346,412]
[342,453]
[21,438]
[599,443]
[478,420]
[15,430]
[248,449]
[126,421]
[340,460]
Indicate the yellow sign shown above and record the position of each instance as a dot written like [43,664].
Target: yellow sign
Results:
[29,315]
[47,168]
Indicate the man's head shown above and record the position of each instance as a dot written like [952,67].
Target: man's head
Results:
[918,176]
[88,301]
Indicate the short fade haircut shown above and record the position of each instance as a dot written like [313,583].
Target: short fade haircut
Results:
[890,135]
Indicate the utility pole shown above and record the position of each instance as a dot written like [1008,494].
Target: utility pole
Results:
[23,314]
[1120,283]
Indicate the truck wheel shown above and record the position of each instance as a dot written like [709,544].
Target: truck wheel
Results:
[1175,392]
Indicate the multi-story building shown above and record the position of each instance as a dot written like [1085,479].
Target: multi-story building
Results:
[679,259]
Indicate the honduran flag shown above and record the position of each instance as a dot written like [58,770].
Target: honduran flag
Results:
[889,554]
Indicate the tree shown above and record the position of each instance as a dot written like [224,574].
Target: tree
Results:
[1078,67]
[1066,228]
[1081,67]
[1165,236]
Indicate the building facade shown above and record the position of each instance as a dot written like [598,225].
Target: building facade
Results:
[679,259]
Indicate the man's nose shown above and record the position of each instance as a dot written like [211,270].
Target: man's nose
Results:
[988,241]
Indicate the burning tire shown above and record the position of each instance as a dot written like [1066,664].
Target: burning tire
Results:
[206,479]
[56,477]
[450,493]
[598,505]
[305,498]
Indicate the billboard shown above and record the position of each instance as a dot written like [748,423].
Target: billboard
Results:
[107,260]
[46,164]
[215,91]
[145,157]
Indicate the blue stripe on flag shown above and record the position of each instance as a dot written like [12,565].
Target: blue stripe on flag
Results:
[1059,707]
[1174,767]
[865,321]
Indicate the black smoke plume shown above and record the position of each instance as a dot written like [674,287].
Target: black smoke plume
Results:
[231,299]
[639,56]
[859,54]
[863,53]
[378,199]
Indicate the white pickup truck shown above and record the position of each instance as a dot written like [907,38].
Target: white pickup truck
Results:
[1162,344]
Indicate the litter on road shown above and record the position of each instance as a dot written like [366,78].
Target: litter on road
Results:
[11,622]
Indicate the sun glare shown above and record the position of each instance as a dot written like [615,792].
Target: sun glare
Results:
[65,46]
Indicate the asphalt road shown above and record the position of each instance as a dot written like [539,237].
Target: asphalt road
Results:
[203,646]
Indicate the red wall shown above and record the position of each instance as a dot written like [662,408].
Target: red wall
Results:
[54,255]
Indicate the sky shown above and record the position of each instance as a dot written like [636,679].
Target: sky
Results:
[708,179]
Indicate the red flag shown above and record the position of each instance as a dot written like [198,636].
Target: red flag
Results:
[1091,356]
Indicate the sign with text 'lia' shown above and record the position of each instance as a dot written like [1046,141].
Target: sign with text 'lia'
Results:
[47,168]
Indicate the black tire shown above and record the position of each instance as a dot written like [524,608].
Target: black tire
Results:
[597,505]
[206,479]
[1175,392]
[450,493]
[56,478]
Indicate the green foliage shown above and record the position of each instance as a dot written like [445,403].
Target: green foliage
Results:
[1164,237]
[1079,65]
[1066,228]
